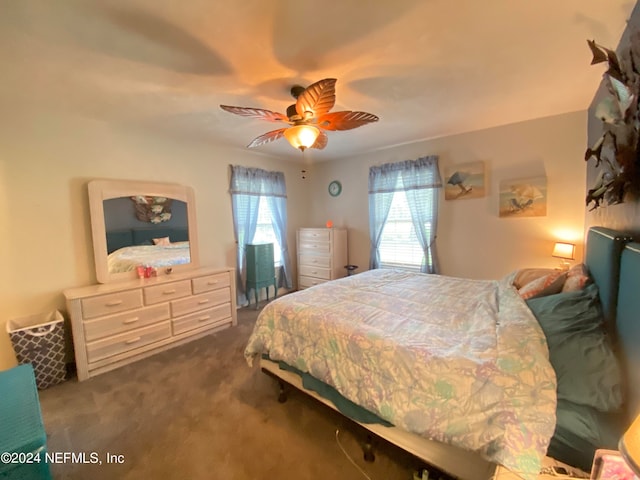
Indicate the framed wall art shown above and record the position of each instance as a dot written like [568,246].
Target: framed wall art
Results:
[465,180]
[523,197]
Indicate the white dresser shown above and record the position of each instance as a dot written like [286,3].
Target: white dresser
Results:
[118,323]
[322,255]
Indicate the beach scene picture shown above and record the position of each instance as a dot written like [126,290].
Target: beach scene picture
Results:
[524,197]
[464,180]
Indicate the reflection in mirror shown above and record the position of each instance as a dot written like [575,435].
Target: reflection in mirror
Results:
[141,224]
[161,240]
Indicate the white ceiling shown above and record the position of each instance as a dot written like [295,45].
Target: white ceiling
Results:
[427,68]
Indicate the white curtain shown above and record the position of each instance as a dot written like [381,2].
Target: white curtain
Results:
[247,186]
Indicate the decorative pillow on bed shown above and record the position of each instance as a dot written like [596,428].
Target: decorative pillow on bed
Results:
[164,241]
[577,278]
[528,275]
[579,350]
[543,286]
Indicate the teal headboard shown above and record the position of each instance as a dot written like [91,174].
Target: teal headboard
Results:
[603,260]
[144,236]
[628,325]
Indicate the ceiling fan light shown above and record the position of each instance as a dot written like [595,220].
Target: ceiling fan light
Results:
[301,136]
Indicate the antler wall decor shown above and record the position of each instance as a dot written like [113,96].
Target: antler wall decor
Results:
[617,150]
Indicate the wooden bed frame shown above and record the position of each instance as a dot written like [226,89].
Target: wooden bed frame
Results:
[617,283]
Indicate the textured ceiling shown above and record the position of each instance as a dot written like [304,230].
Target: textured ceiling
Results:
[427,68]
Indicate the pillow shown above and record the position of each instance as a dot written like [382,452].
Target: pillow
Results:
[578,269]
[546,285]
[586,367]
[577,278]
[527,275]
[164,241]
[580,431]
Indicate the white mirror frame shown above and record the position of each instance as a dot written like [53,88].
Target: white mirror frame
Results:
[101,190]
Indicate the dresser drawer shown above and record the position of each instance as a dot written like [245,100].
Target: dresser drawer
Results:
[123,322]
[306,282]
[111,303]
[314,261]
[200,319]
[200,302]
[210,282]
[166,292]
[124,342]
[317,272]
[314,234]
[314,248]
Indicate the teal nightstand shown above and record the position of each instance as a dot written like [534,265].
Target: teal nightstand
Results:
[261,271]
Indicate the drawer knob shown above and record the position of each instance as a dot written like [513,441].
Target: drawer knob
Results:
[131,320]
[212,282]
[169,292]
[133,340]
[201,302]
[114,303]
[204,319]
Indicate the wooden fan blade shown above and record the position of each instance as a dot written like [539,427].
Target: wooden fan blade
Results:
[321,141]
[318,98]
[259,113]
[345,120]
[267,138]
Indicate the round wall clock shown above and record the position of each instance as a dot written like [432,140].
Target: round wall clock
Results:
[335,188]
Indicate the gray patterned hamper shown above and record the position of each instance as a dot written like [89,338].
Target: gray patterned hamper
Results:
[39,340]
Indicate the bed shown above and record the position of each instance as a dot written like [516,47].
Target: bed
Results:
[480,392]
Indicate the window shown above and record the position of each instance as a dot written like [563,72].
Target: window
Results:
[264,230]
[399,245]
[259,206]
[403,212]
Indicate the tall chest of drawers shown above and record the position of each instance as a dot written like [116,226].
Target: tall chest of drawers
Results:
[322,255]
[116,324]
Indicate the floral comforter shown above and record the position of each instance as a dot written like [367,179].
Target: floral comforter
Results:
[455,360]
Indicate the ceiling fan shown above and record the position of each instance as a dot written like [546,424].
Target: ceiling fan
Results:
[308,118]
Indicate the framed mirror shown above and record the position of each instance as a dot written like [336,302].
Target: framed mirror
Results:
[142,224]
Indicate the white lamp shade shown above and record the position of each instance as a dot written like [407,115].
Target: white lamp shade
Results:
[564,250]
[301,136]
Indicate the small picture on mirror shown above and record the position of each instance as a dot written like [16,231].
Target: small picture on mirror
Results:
[152,209]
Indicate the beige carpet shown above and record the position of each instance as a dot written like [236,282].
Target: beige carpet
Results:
[199,412]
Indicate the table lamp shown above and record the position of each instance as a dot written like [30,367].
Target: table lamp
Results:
[564,251]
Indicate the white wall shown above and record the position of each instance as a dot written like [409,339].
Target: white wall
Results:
[472,240]
[46,161]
